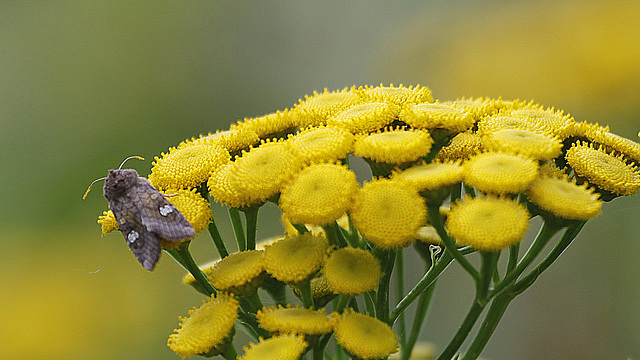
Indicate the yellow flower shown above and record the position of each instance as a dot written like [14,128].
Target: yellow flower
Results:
[551,120]
[269,125]
[500,173]
[388,213]
[295,258]
[192,206]
[429,235]
[488,224]
[364,336]
[351,271]
[316,109]
[612,142]
[607,172]
[321,144]
[462,147]
[394,146]
[430,176]
[239,273]
[108,222]
[208,329]
[476,108]
[437,116]
[564,199]
[232,140]
[187,167]
[320,287]
[282,347]
[292,320]
[398,95]
[319,194]
[527,143]
[365,118]
[255,176]
[206,268]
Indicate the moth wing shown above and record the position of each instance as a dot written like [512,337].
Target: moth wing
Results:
[144,244]
[159,216]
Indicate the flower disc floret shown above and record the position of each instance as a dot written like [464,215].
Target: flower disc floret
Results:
[238,273]
[437,116]
[500,173]
[294,320]
[363,336]
[270,124]
[488,224]
[431,176]
[351,271]
[605,171]
[564,199]
[365,118]
[192,206]
[316,109]
[295,258]
[187,167]
[398,95]
[394,146]
[462,147]
[108,222]
[628,148]
[319,194]
[281,347]
[388,213]
[556,122]
[208,329]
[528,143]
[322,144]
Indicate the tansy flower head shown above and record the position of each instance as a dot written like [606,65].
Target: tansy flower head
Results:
[274,124]
[398,95]
[366,117]
[294,320]
[437,116]
[431,176]
[255,176]
[295,258]
[108,222]
[388,213]
[476,108]
[462,147]
[351,271]
[232,140]
[208,329]
[500,173]
[319,194]
[612,142]
[564,199]
[556,122]
[206,268]
[607,172]
[321,144]
[192,206]
[394,146]
[428,235]
[187,167]
[363,336]
[315,110]
[282,347]
[535,145]
[488,224]
[239,273]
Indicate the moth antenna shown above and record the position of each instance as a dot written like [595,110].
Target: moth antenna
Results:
[129,158]
[89,188]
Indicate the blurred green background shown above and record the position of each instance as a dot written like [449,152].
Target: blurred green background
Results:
[84,84]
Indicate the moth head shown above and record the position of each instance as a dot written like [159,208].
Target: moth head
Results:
[118,180]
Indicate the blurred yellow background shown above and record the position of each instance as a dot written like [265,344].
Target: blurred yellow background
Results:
[84,84]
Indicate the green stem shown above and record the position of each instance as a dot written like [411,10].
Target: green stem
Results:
[369,303]
[236,221]
[305,293]
[251,217]
[254,301]
[334,236]
[341,303]
[217,240]
[545,234]
[183,256]
[319,349]
[420,316]
[382,301]
[496,310]
[436,221]
[229,352]
[402,322]
[467,324]
[514,251]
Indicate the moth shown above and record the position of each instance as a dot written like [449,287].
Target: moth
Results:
[143,213]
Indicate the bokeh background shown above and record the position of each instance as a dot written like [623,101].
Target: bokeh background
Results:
[84,84]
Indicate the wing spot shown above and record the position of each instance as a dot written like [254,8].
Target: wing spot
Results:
[133,236]
[165,210]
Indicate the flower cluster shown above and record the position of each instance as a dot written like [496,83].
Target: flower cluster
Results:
[450,178]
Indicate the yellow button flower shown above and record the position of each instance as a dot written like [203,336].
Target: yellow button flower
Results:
[294,320]
[319,194]
[208,329]
[322,144]
[233,140]
[192,206]
[462,147]
[351,271]
[295,258]
[187,167]
[437,116]
[564,199]
[270,124]
[394,146]
[282,347]
[363,336]
[108,222]
[388,213]
[398,95]
[239,273]
[365,118]
[500,173]
[607,172]
[531,144]
[315,110]
[430,176]
[628,148]
[488,224]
